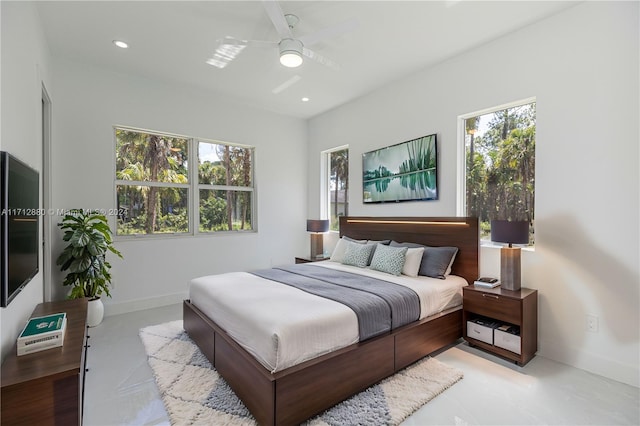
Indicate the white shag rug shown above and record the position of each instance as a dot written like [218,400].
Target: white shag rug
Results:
[194,393]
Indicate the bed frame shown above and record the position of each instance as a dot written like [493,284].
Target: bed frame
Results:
[291,396]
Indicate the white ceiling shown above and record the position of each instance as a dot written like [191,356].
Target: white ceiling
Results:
[171,40]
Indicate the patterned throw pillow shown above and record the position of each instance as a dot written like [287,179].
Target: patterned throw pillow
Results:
[341,248]
[389,259]
[357,254]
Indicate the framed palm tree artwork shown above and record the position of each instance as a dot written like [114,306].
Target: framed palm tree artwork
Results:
[407,171]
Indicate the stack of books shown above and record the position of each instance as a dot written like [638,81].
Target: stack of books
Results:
[42,333]
[486,282]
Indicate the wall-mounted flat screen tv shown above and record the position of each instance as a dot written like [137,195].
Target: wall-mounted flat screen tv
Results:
[19,201]
[407,171]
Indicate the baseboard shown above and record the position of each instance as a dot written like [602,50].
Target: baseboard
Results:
[593,363]
[142,304]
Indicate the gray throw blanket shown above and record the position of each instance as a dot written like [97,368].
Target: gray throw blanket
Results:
[380,305]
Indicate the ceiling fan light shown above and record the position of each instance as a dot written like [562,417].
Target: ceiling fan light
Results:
[290,52]
[291,59]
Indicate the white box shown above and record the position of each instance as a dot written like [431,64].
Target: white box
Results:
[42,333]
[508,341]
[480,332]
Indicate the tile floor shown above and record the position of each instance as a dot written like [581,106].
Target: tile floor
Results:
[120,389]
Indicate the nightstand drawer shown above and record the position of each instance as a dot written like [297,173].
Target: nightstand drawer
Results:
[493,306]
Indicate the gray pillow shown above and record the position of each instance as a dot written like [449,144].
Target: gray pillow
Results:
[375,243]
[383,242]
[357,254]
[436,261]
[389,259]
[354,240]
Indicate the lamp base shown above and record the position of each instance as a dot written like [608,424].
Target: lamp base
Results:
[510,268]
[317,251]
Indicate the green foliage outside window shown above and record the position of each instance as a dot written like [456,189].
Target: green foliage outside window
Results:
[339,186]
[500,166]
[223,167]
[153,185]
[158,159]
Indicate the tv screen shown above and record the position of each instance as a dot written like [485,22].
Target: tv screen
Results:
[20,193]
[403,172]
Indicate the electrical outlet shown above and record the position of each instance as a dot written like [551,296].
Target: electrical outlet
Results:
[592,323]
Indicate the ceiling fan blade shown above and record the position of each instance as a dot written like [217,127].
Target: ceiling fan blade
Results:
[263,44]
[277,18]
[320,59]
[330,32]
[232,41]
[230,47]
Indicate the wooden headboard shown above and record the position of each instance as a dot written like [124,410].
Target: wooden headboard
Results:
[461,232]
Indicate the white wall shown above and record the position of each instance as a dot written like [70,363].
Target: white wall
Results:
[25,68]
[582,67]
[91,101]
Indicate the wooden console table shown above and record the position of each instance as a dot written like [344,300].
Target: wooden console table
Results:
[46,387]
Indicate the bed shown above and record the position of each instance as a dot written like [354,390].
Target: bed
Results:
[291,393]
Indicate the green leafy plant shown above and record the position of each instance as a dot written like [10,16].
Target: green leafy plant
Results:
[89,238]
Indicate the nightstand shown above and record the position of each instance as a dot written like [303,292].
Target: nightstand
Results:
[308,259]
[485,309]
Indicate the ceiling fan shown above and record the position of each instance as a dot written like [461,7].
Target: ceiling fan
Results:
[291,49]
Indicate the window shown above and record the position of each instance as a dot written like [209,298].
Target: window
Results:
[225,187]
[500,166]
[337,184]
[152,183]
[156,185]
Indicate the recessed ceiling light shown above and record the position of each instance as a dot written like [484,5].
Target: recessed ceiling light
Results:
[120,44]
[305,99]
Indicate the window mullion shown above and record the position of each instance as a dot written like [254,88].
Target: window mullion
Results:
[225,187]
[194,195]
[151,183]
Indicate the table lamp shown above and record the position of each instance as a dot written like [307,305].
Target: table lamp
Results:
[511,232]
[317,227]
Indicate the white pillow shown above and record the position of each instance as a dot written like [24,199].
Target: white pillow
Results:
[450,264]
[412,261]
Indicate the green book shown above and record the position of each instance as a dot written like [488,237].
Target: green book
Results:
[42,333]
[39,326]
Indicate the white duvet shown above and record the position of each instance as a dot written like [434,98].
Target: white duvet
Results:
[282,326]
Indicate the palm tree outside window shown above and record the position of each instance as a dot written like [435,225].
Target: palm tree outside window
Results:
[500,166]
[156,181]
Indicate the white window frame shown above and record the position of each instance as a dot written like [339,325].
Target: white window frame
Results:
[197,186]
[461,208]
[193,187]
[325,177]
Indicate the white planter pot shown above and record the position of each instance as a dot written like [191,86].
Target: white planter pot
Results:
[95,312]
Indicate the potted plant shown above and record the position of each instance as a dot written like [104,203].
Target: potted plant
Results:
[89,238]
